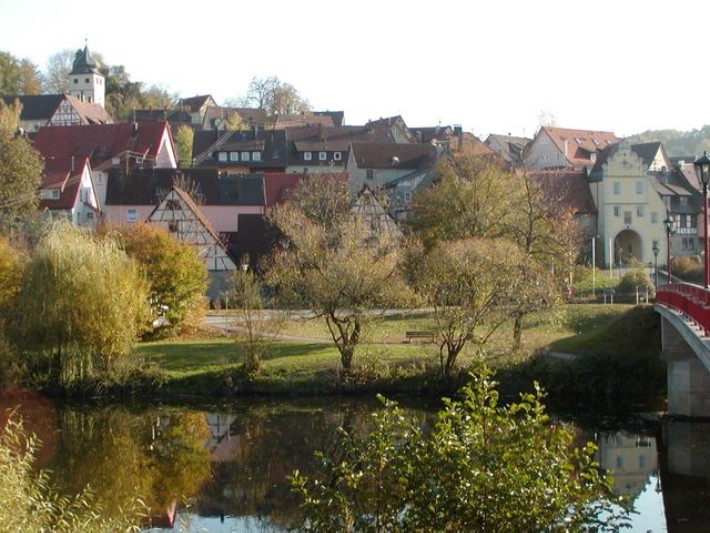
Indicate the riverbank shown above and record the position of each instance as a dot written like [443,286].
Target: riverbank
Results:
[617,347]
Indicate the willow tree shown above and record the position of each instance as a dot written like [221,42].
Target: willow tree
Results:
[339,272]
[82,304]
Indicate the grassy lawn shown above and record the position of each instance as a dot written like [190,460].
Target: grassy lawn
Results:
[382,350]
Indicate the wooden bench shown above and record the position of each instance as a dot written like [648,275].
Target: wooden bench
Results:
[427,335]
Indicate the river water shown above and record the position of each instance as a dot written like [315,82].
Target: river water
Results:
[223,467]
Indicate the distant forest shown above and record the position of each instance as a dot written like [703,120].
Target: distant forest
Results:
[686,144]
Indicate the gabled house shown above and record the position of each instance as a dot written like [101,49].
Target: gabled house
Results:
[393,127]
[376,165]
[107,146]
[56,110]
[510,148]
[374,217]
[634,193]
[184,220]
[68,193]
[238,151]
[317,148]
[566,148]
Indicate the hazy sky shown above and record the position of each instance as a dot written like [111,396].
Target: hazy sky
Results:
[619,65]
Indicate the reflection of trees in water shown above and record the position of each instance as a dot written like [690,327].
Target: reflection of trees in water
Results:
[272,442]
[157,456]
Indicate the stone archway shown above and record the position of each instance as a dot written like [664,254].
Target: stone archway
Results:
[627,246]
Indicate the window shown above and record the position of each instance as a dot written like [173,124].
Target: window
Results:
[86,80]
[307,156]
[654,245]
[222,156]
[407,197]
[639,187]
[76,80]
[683,201]
[639,211]
[617,211]
[593,157]
[337,156]
[245,156]
[322,156]
[627,217]
[234,156]
[55,194]
[617,187]
[370,174]
[131,215]
[654,218]
[256,156]
[89,215]
[667,201]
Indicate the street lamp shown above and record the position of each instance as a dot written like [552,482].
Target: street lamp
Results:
[702,169]
[655,265]
[670,230]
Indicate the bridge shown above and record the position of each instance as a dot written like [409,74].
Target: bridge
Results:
[685,341]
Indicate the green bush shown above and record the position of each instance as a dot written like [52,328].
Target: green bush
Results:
[633,279]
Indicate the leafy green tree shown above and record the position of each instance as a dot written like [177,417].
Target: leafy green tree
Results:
[183,142]
[91,308]
[56,75]
[338,272]
[481,467]
[18,76]
[177,276]
[21,170]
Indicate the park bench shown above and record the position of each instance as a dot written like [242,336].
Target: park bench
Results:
[425,335]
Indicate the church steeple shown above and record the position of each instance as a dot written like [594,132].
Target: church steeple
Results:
[85,80]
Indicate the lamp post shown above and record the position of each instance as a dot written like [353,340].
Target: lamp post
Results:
[655,265]
[702,169]
[670,230]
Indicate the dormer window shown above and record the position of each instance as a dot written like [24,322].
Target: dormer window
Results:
[322,156]
[337,156]
[245,156]
[256,156]
[222,156]
[307,156]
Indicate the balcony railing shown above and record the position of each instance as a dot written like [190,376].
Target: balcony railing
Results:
[692,301]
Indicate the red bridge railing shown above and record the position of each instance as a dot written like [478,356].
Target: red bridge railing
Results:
[692,301]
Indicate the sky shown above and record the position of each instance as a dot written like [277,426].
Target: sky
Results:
[624,66]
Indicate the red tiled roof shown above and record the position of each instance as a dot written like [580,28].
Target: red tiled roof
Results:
[566,188]
[277,185]
[100,142]
[577,145]
[65,175]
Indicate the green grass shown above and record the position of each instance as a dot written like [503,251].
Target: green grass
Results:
[213,362]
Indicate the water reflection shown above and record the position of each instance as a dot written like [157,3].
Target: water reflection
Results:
[225,468]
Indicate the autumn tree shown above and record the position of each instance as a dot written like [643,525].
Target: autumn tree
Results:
[21,170]
[56,74]
[18,76]
[177,276]
[93,305]
[339,272]
[183,142]
[479,466]
[471,198]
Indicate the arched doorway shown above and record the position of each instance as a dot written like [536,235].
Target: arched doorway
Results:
[627,246]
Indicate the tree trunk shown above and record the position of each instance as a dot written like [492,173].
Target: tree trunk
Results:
[517,331]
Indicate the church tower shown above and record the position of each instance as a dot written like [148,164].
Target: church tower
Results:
[85,80]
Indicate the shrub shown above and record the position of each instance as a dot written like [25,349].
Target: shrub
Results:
[635,278]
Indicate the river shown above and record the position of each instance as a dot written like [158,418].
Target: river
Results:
[223,467]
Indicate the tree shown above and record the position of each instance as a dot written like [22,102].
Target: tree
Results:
[471,198]
[21,170]
[177,276]
[480,467]
[92,305]
[183,141]
[337,272]
[274,96]
[18,76]
[56,77]
[472,284]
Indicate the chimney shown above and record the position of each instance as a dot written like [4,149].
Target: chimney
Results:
[458,130]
